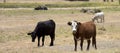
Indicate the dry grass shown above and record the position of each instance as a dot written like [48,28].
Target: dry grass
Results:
[54,4]
[46,0]
[14,25]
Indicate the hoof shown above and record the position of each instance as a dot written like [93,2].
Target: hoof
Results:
[51,45]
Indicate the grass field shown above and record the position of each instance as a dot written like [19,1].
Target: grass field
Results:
[58,4]
[15,24]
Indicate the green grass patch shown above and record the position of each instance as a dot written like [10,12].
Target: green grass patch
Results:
[108,9]
[19,5]
[51,12]
[56,4]
[34,12]
[80,4]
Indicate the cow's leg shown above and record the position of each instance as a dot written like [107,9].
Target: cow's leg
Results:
[88,41]
[94,42]
[95,45]
[75,44]
[101,20]
[52,36]
[97,20]
[43,38]
[81,44]
[38,41]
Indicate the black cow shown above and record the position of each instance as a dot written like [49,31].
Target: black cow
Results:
[41,8]
[44,28]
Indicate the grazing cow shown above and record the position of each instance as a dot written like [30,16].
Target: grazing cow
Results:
[97,16]
[84,10]
[41,8]
[93,11]
[44,28]
[97,10]
[84,31]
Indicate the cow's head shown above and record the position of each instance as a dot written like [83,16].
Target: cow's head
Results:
[74,25]
[32,35]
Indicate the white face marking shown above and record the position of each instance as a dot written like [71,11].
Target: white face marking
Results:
[74,24]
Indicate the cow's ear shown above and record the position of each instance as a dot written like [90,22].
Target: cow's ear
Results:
[78,23]
[69,23]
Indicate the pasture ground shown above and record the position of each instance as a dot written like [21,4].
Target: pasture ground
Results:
[15,24]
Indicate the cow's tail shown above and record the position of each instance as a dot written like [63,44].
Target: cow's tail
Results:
[94,39]
[103,18]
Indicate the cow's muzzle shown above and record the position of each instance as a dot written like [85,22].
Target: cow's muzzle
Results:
[33,40]
[74,32]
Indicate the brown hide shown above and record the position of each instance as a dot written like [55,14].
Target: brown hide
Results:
[86,30]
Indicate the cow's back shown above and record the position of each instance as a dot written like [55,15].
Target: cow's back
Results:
[49,23]
[46,27]
[87,29]
[89,26]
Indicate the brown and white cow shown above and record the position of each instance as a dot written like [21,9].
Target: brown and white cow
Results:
[84,31]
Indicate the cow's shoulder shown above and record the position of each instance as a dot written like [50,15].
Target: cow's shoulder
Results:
[48,23]
[40,25]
